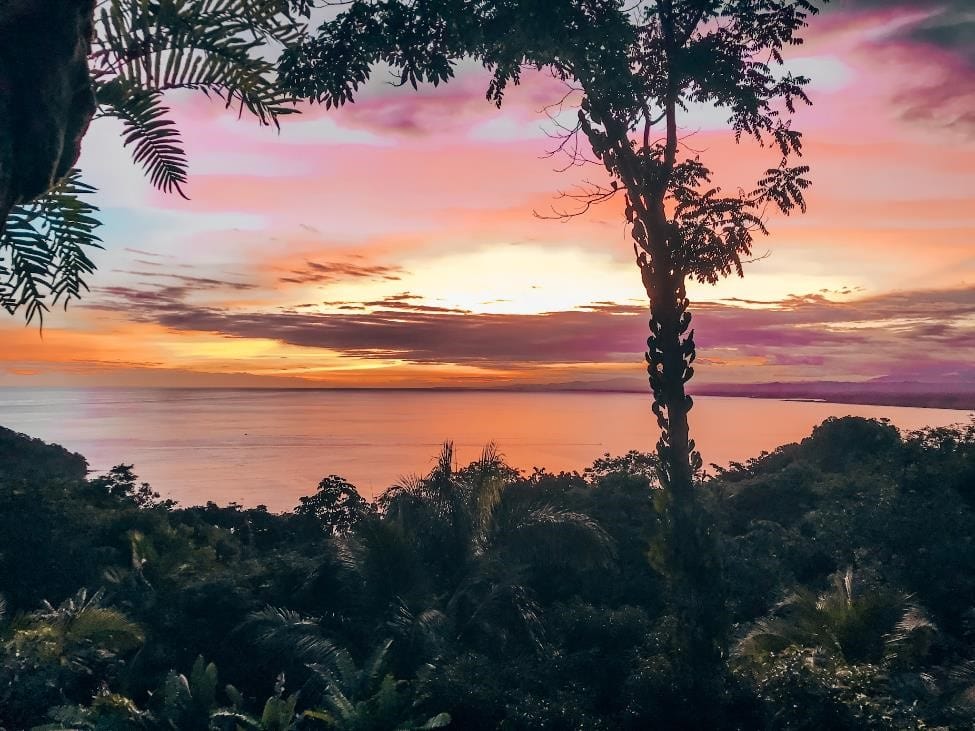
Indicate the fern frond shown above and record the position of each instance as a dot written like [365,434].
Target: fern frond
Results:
[213,46]
[154,138]
[141,50]
[43,251]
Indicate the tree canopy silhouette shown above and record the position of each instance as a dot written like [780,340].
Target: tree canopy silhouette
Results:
[635,68]
[495,599]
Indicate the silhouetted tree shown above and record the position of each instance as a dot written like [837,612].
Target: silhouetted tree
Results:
[635,67]
[337,506]
[121,482]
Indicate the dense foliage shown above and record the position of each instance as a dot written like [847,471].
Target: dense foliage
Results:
[481,598]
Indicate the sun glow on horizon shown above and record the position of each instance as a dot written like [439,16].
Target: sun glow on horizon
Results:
[395,241]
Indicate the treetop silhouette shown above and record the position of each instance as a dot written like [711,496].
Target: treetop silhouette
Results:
[636,67]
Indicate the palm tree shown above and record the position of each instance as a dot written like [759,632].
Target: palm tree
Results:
[449,557]
[844,624]
[352,697]
[369,698]
[827,660]
[141,52]
[61,654]
[482,540]
[75,634]
[288,638]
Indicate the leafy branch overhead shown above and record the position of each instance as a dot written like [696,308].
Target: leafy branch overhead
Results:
[630,60]
[141,51]
[44,248]
[146,49]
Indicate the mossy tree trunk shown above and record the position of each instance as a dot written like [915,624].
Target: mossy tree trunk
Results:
[46,96]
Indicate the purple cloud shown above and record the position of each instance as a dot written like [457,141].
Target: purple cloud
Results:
[942,34]
[877,336]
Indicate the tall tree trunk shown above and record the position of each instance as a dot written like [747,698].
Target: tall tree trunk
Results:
[670,355]
[689,556]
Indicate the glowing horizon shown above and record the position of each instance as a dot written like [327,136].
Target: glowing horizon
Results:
[393,243]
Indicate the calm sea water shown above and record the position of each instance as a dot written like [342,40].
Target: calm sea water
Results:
[270,447]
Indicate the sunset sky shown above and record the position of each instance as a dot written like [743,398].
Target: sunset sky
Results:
[393,243]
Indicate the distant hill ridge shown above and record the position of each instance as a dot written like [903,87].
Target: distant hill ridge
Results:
[25,458]
[958,394]
[880,392]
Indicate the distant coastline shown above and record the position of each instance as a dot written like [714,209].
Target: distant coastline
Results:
[925,396]
[870,393]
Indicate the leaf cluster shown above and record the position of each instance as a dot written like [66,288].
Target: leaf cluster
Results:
[636,64]
[141,51]
[44,249]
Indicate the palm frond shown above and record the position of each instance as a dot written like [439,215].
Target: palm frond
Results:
[375,668]
[288,635]
[444,469]
[153,136]
[494,606]
[370,696]
[405,623]
[441,720]
[76,631]
[384,557]
[105,627]
[912,637]
[546,536]
[847,623]
[214,46]
[140,51]
[43,255]
[339,703]
[239,719]
[399,500]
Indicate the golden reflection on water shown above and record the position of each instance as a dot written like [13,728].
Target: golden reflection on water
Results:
[271,447]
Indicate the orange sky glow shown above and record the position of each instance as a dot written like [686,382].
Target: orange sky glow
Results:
[394,242]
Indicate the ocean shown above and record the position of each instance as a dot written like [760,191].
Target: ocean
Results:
[272,446]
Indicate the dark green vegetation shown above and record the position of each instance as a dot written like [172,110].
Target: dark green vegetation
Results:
[488,599]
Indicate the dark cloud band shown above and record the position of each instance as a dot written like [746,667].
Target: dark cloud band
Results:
[879,334]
